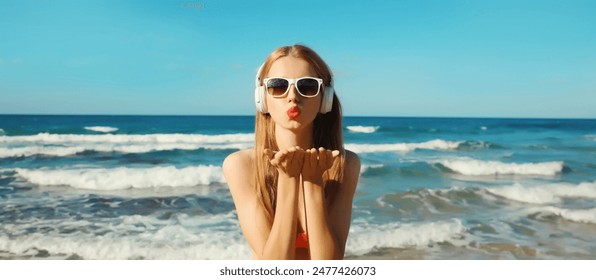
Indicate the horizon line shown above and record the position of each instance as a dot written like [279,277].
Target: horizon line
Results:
[348,116]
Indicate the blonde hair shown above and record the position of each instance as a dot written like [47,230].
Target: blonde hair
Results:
[327,133]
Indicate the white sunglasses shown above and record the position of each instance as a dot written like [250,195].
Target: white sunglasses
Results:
[306,86]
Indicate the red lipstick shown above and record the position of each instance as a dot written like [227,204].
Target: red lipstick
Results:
[294,112]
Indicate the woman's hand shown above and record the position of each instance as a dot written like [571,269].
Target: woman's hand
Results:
[316,162]
[289,161]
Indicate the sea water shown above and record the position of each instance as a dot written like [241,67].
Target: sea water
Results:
[151,187]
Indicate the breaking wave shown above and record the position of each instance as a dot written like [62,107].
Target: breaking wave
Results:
[124,178]
[473,167]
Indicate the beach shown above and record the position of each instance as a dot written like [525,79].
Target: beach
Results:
[151,187]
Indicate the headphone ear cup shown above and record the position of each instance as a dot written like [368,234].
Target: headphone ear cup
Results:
[260,92]
[327,102]
[260,99]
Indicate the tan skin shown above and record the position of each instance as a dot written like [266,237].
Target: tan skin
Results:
[300,181]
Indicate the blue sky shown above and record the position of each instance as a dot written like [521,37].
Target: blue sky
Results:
[390,58]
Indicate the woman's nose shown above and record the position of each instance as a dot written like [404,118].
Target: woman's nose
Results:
[293,94]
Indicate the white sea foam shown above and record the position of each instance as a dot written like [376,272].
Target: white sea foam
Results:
[124,178]
[366,167]
[192,237]
[576,215]
[71,144]
[380,200]
[436,144]
[362,129]
[365,237]
[40,150]
[473,167]
[545,194]
[104,129]
[132,237]
[2,131]
[126,138]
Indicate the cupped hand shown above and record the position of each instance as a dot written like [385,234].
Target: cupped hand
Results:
[288,161]
[316,162]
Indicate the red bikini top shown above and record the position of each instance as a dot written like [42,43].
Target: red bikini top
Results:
[302,240]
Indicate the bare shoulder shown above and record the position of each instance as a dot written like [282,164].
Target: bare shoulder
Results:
[238,167]
[239,159]
[351,173]
[352,162]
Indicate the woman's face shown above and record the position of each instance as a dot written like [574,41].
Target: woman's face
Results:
[293,111]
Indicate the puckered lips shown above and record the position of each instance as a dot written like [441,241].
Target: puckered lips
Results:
[294,112]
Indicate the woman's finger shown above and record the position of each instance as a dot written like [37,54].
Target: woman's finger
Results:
[313,157]
[269,153]
[335,153]
[291,153]
[279,157]
[329,158]
[322,156]
[299,155]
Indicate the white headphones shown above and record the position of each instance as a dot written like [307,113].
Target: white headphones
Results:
[326,102]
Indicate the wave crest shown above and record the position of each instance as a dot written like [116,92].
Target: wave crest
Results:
[124,178]
[362,129]
[472,167]
[70,144]
[553,193]
[104,129]
[367,167]
[364,238]
[575,215]
[131,237]
[436,144]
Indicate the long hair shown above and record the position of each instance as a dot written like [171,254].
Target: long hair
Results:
[327,133]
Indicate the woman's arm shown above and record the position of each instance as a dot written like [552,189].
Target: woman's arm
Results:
[328,228]
[340,212]
[322,240]
[281,241]
[268,240]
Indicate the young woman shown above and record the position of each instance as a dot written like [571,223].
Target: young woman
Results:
[293,191]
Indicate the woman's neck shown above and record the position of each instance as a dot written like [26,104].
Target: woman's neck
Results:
[286,138]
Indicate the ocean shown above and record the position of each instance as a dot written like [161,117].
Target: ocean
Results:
[151,187]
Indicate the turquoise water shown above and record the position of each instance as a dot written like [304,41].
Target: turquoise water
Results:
[151,187]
